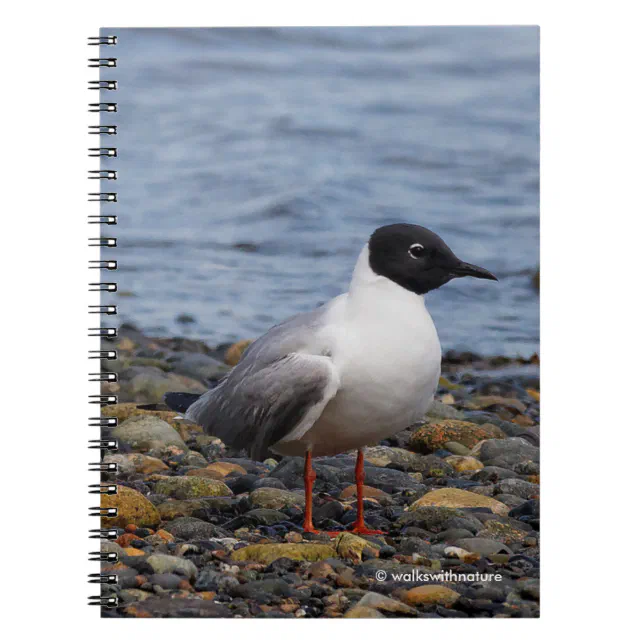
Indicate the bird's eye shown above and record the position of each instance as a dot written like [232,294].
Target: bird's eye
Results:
[416,251]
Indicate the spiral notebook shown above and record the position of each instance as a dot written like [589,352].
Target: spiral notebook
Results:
[319,322]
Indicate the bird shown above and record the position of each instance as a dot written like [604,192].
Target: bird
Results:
[346,375]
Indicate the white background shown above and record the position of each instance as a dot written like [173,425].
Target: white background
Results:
[591,303]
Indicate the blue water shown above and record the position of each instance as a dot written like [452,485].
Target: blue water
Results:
[254,163]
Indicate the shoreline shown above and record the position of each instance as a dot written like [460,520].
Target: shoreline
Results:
[205,531]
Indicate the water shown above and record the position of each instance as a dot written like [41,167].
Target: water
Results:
[254,163]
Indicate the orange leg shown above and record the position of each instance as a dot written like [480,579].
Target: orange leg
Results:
[309,478]
[359,526]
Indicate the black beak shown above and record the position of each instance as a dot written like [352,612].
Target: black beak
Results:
[464,269]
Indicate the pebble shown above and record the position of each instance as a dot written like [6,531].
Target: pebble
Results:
[455,498]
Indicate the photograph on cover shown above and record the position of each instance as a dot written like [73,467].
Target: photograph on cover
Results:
[327,388]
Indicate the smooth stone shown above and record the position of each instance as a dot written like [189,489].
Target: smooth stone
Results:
[386,604]
[517,487]
[434,435]
[492,473]
[197,365]
[441,411]
[190,528]
[430,518]
[456,448]
[275,499]
[132,508]
[351,546]
[507,452]
[169,564]
[268,482]
[171,606]
[191,487]
[381,456]
[150,384]
[267,553]
[205,473]
[125,411]
[144,433]
[456,498]
[368,492]
[363,612]
[431,594]
[223,469]
[464,463]
[484,547]
[174,508]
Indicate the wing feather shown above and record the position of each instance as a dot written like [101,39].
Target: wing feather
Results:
[256,408]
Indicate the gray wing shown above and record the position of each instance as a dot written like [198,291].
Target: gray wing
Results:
[260,402]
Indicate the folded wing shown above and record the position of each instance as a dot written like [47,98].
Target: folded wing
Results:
[255,408]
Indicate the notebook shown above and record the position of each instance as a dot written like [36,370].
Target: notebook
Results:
[318,271]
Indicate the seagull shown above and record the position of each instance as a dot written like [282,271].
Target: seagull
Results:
[349,374]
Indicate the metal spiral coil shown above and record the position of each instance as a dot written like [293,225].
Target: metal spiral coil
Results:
[105,444]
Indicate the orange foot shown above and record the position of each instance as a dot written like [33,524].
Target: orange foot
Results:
[308,527]
[356,529]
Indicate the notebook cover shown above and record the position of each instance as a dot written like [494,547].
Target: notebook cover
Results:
[243,173]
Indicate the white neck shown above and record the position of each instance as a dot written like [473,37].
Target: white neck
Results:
[372,290]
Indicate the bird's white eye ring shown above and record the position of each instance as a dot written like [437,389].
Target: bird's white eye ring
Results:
[416,251]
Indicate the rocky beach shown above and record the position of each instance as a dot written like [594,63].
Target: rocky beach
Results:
[203,531]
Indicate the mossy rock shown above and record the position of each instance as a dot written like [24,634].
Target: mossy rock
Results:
[267,553]
[434,435]
[451,497]
[131,507]
[191,487]
[145,433]
[125,411]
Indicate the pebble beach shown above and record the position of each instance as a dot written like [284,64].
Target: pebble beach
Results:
[203,531]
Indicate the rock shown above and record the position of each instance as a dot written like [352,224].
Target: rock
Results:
[441,411]
[483,547]
[197,365]
[264,516]
[235,351]
[172,606]
[131,463]
[506,453]
[367,491]
[205,473]
[222,469]
[502,531]
[492,474]
[456,448]
[363,612]
[431,594]
[167,581]
[275,499]
[149,384]
[430,518]
[193,459]
[144,433]
[385,604]
[267,553]
[173,508]
[400,458]
[464,463]
[517,487]
[191,487]
[434,435]
[169,564]
[125,411]
[456,498]
[190,528]
[351,546]
[485,402]
[132,508]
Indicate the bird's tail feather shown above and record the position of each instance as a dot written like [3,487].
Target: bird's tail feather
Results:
[179,401]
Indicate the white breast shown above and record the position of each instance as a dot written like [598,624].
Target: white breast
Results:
[386,349]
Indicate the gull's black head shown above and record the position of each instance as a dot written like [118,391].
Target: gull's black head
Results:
[417,259]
